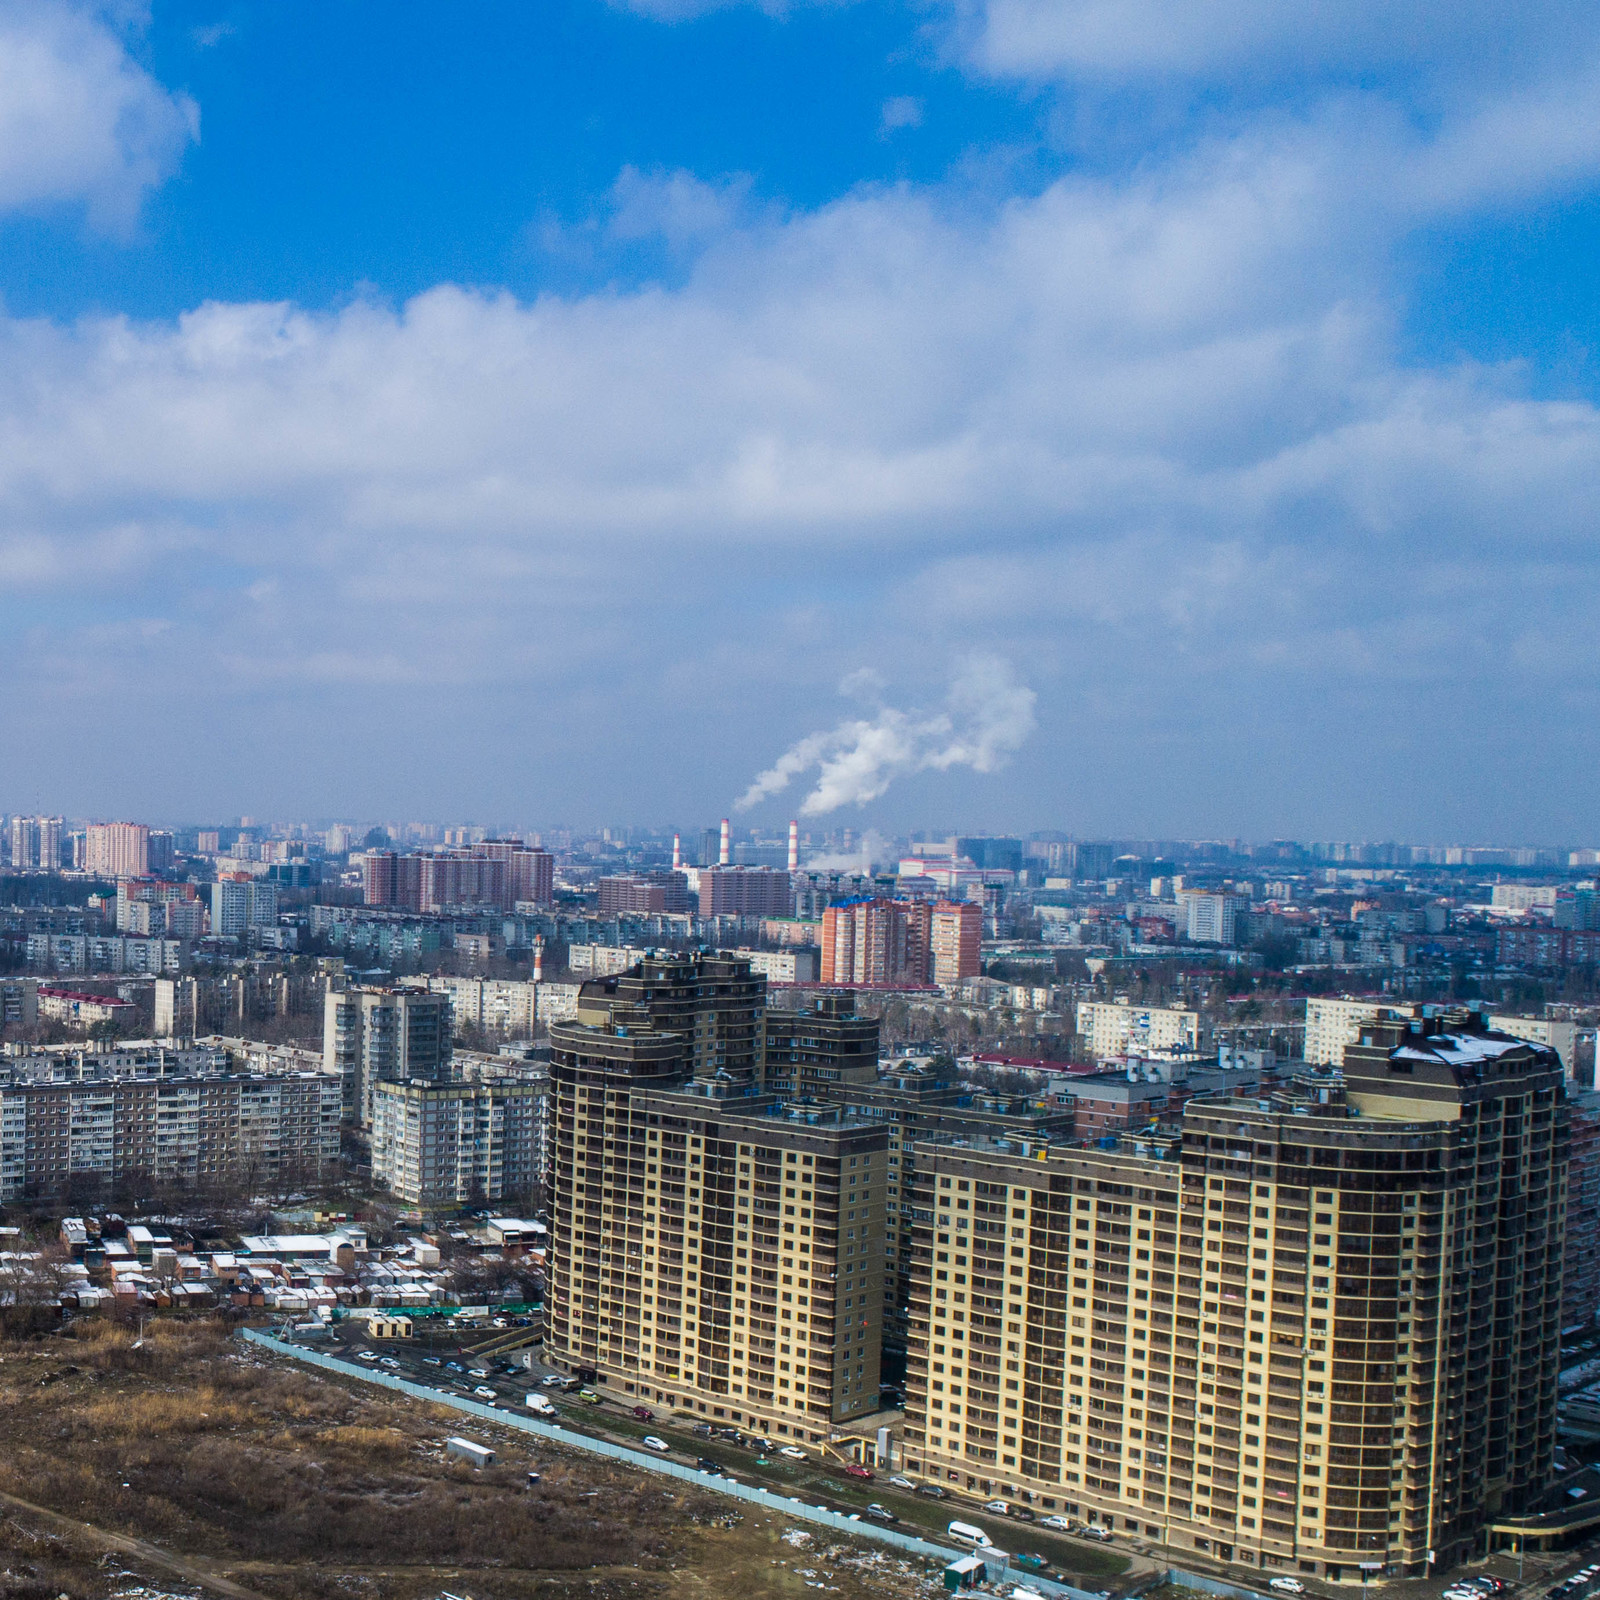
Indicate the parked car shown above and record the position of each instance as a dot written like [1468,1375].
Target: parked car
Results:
[644,1413]
[389,1361]
[651,1442]
[1095,1531]
[1055,1522]
[589,1397]
[1030,1559]
[430,1361]
[477,1372]
[553,1380]
[484,1392]
[933,1491]
[706,1464]
[853,1471]
[454,1366]
[1287,1585]
[366,1355]
[792,1454]
[881,1513]
[1021,1513]
[902,1483]
[997,1508]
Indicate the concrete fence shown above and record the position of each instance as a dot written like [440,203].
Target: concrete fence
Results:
[754,1495]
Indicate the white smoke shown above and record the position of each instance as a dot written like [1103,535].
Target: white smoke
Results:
[986,715]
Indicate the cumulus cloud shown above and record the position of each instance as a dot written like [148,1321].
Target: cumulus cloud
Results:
[1146,430]
[80,120]
[986,716]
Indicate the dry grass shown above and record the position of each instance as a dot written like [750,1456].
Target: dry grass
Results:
[309,1489]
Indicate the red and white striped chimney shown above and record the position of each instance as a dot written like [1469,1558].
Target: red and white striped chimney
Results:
[538,958]
[726,853]
[794,845]
[677,853]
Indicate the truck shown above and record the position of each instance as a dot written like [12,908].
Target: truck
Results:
[540,1405]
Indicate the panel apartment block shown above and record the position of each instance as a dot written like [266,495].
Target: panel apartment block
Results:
[443,1144]
[57,1136]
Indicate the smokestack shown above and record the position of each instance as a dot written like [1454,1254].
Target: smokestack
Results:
[538,958]
[677,853]
[726,853]
[794,846]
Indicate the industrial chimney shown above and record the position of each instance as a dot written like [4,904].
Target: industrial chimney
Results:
[538,958]
[725,855]
[677,853]
[794,846]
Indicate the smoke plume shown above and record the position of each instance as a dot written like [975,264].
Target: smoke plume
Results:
[987,713]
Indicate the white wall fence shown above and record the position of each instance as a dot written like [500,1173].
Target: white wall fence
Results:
[753,1494]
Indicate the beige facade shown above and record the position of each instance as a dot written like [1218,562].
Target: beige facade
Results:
[1291,1340]
[712,1249]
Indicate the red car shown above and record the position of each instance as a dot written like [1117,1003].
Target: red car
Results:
[858,1472]
[644,1413]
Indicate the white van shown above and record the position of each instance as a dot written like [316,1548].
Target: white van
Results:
[965,1533]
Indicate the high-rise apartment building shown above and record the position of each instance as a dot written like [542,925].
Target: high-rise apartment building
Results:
[240,902]
[877,943]
[384,1035]
[714,1002]
[821,1047]
[1319,1333]
[450,1144]
[920,1102]
[1211,917]
[640,894]
[117,850]
[728,891]
[36,844]
[1580,1291]
[712,1248]
[493,872]
[956,939]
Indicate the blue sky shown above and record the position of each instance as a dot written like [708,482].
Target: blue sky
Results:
[1133,416]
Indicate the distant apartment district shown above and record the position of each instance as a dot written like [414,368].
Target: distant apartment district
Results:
[1293,1301]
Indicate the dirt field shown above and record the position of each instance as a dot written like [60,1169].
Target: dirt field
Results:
[193,1465]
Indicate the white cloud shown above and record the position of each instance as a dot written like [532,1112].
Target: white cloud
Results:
[1147,436]
[80,120]
[986,716]
[1143,41]
[900,111]
[688,10]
